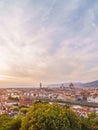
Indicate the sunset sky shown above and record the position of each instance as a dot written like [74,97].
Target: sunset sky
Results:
[48,41]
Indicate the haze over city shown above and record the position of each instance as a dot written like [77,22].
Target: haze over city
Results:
[48,41]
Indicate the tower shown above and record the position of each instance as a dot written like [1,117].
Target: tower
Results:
[40,85]
[71,85]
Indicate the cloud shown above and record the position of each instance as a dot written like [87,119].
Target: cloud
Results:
[41,41]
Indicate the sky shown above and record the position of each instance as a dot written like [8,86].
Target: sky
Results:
[48,41]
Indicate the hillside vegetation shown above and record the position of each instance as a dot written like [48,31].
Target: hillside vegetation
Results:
[44,116]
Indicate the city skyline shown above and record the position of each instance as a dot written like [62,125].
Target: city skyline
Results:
[48,41]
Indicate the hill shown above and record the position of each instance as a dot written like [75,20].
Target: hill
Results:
[91,84]
[77,84]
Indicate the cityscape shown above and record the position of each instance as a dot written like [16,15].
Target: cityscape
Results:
[82,100]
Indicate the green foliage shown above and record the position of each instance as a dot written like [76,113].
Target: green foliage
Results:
[93,120]
[92,115]
[5,122]
[44,116]
[90,123]
[23,111]
[85,124]
[8,123]
[74,120]
[50,117]
[16,124]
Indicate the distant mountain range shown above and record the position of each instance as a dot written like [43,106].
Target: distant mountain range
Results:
[91,84]
[77,84]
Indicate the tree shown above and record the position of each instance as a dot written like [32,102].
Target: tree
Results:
[9,123]
[50,117]
[90,122]
[5,122]
[16,123]
[23,111]
[85,123]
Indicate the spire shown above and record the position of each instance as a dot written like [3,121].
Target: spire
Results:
[40,85]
